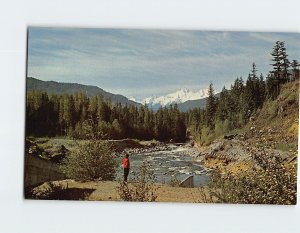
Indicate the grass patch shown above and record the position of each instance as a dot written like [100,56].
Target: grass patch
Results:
[286,146]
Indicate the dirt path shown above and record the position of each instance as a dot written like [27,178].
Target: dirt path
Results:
[106,191]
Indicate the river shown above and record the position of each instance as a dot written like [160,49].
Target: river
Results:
[174,162]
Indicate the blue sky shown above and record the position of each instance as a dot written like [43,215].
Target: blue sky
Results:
[141,63]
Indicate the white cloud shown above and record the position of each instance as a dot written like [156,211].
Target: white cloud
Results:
[149,60]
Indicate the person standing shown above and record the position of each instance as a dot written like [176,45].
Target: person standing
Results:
[126,166]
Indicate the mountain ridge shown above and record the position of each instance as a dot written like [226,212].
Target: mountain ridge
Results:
[185,99]
[53,87]
[180,96]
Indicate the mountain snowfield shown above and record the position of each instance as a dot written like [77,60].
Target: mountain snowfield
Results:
[180,96]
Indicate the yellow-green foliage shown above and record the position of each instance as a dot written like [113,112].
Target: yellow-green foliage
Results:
[207,136]
[286,146]
[294,129]
[270,181]
[263,186]
[271,109]
[221,128]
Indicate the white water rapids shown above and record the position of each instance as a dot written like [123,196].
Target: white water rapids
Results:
[169,163]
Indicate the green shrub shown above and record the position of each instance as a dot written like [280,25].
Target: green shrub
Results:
[92,160]
[273,183]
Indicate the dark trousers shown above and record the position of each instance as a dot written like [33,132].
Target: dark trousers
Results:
[126,172]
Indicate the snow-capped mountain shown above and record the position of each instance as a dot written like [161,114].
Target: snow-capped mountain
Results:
[178,97]
[132,98]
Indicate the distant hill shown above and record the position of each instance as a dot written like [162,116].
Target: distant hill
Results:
[190,104]
[52,87]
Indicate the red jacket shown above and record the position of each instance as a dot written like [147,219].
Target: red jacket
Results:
[126,163]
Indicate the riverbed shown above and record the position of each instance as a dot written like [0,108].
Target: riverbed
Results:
[175,163]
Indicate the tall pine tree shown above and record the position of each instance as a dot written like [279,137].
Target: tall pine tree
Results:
[211,107]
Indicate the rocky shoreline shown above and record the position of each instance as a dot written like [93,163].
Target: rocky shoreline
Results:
[233,150]
[149,149]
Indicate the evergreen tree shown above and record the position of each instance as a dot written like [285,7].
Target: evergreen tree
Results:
[236,92]
[281,64]
[248,103]
[262,90]
[92,108]
[222,109]
[255,87]
[158,129]
[295,66]
[84,114]
[253,75]
[276,72]
[276,58]
[211,107]
[117,130]
[285,64]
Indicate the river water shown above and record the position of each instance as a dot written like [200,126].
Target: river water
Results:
[175,162]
